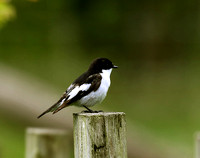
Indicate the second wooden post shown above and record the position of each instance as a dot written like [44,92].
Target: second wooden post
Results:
[98,135]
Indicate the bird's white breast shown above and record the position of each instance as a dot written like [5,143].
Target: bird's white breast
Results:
[96,97]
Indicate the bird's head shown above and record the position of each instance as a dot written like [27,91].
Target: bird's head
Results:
[100,64]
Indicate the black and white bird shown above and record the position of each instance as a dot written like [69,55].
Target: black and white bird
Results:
[88,89]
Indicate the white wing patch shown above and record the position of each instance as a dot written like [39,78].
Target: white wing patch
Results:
[62,102]
[72,85]
[74,92]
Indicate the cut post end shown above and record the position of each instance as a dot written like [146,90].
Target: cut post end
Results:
[98,113]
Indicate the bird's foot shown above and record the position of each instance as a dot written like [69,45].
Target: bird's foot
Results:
[87,111]
[100,111]
[91,111]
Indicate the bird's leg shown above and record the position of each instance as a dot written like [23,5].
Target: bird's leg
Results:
[90,110]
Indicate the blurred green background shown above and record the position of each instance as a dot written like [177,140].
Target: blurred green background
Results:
[156,45]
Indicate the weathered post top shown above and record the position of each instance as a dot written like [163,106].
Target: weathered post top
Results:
[99,114]
[45,131]
[98,135]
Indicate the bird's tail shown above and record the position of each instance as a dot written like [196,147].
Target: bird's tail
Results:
[43,113]
[61,103]
[51,109]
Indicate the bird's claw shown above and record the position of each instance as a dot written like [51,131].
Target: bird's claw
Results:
[91,111]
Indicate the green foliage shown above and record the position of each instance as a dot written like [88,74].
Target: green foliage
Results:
[7,12]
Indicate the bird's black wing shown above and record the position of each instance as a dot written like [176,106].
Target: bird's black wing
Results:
[94,81]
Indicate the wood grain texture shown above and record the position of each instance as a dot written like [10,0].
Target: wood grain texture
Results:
[47,143]
[98,135]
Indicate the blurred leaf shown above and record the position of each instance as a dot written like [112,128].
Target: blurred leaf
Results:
[7,12]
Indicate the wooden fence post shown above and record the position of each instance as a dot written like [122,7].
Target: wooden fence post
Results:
[197,145]
[46,143]
[100,135]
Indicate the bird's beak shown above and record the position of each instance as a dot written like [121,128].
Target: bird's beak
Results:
[114,66]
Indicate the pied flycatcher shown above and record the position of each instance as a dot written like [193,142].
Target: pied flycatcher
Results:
[88,89]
